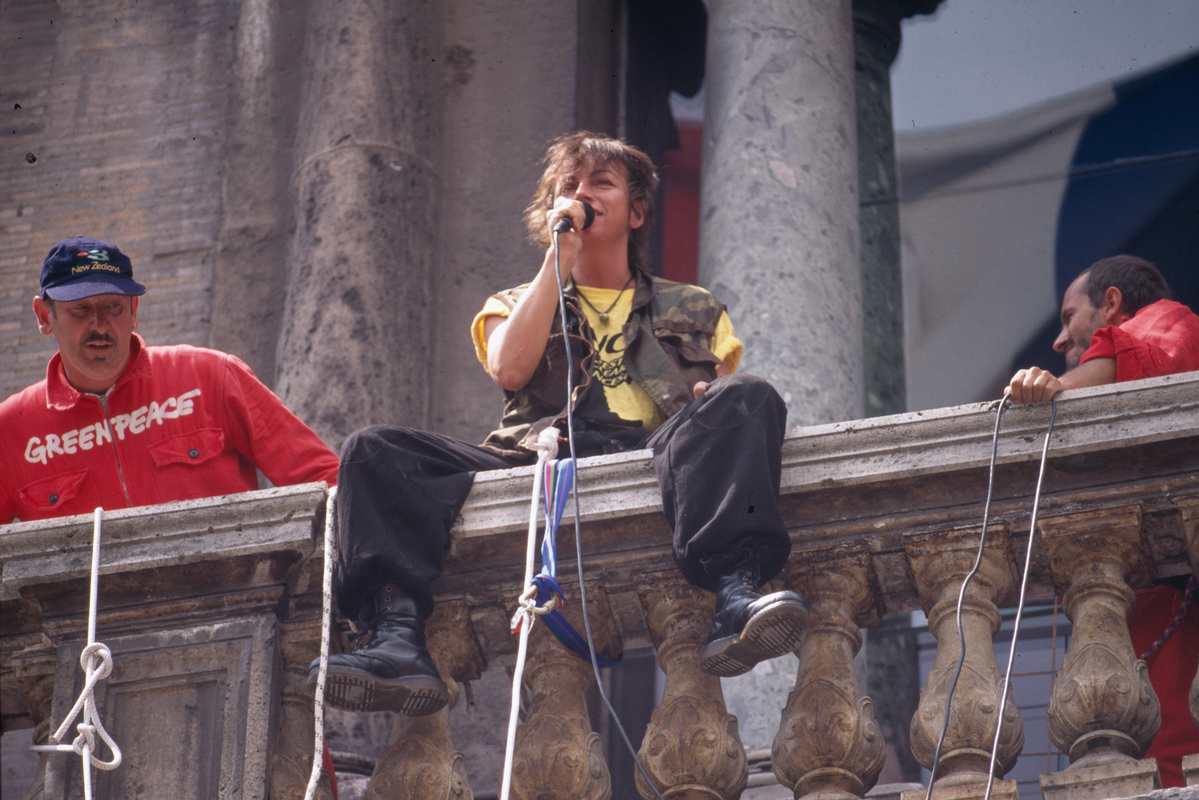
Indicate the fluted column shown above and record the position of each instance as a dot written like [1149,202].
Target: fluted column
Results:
[355,345]
[557,752]
[1103,711]
[419,761]
[939,563]
[691,749]
[780,197]
[829,746]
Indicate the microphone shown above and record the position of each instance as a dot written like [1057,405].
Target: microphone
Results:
[565,224]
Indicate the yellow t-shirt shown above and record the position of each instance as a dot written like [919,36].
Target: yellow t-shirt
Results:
[625,399]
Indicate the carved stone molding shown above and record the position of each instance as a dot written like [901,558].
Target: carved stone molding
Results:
[692,749]
[829,745]
[557,753]
[939,562]
[1103,709]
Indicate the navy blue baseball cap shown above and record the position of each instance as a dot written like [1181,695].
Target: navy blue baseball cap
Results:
[81,267]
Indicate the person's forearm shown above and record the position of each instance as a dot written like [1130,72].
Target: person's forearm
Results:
[515,348]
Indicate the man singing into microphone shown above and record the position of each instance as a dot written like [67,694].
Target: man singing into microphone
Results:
[653,363]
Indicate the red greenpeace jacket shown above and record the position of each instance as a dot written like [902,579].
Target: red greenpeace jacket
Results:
[1160,339]
[180,423]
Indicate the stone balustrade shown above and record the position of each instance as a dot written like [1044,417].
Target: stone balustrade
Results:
[212,608]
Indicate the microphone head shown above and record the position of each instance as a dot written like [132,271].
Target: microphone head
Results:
[565,224]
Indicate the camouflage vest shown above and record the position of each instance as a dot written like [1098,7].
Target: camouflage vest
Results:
[668,339]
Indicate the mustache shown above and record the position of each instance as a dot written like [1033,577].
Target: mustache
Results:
[100,338]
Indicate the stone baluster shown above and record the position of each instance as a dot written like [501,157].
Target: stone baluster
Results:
[691,749]
[37,689]
[829,744]
[557,753]
[940,562]
[1189,508]
[292,765]
[419,761]
[1103,711]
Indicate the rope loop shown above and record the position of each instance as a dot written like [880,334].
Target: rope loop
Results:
[96,660]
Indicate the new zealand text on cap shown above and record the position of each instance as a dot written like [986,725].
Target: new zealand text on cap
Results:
[81,267]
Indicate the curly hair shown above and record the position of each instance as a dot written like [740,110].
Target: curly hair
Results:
[1139,282]
[564,156]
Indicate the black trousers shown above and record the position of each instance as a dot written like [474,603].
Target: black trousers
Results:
[717,461]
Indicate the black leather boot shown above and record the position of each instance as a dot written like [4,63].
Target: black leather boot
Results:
[393,670]
[749,627]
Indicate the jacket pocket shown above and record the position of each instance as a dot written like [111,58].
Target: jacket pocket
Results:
[193,447]
[57,491]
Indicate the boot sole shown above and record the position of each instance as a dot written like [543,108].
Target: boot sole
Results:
[355,690]
[774,631]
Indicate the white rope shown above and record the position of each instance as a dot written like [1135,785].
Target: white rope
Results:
[96,660]
[526,613]
[318,702]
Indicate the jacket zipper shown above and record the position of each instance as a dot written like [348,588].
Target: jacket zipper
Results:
[103,398]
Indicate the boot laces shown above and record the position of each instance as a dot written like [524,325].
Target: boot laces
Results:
[363,639]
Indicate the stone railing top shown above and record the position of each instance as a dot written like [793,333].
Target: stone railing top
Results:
[879,449]
[151,537]
[616,488]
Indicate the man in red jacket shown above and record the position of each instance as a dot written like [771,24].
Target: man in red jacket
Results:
[117,424]
[1119,324]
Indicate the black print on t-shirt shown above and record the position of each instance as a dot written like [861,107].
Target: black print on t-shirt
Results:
[609,367]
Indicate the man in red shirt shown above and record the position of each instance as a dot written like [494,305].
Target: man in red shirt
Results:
[1119,324]
[116,423]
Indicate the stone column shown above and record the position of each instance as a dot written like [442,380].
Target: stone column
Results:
[291,756]
[250,266]
[36,682]
[354,346]
[779,239]
[876,43]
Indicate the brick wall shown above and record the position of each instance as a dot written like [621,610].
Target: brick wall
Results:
[126,113]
